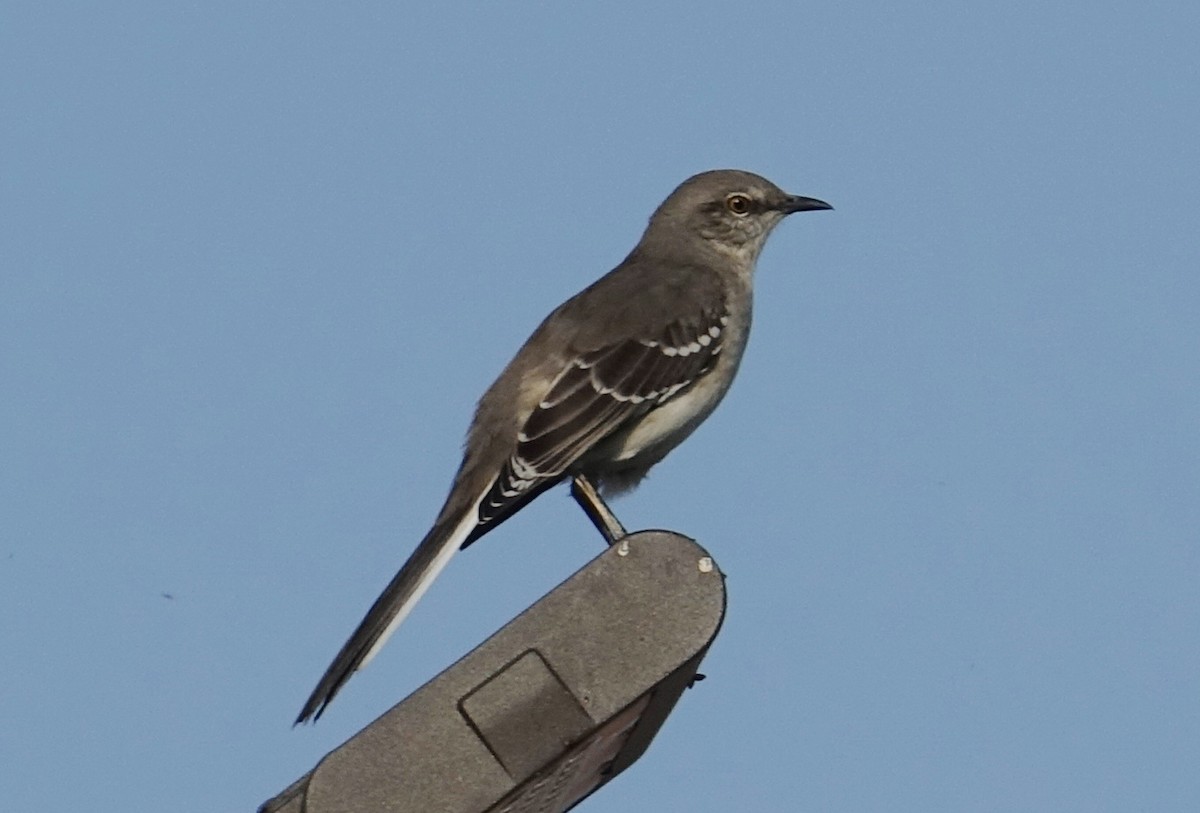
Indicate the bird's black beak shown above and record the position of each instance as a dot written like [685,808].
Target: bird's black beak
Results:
[796,203]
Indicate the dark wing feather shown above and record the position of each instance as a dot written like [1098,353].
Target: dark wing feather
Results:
[596,394]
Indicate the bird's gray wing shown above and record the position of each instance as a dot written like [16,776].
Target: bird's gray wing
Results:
[598,392]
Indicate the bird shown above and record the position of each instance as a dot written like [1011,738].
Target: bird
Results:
[609,383]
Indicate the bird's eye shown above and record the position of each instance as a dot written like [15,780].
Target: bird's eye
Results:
[738,204]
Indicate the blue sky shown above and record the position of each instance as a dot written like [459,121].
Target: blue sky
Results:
[261,259]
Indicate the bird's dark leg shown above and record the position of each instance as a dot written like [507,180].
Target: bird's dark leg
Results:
[598,512]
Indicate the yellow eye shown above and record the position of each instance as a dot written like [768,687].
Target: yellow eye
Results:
[738,204]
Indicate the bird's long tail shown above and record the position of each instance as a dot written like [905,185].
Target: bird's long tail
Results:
[396,601]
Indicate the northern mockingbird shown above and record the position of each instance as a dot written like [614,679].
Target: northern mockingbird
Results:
[610,382]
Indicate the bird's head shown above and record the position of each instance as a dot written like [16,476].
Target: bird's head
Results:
[728,210]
